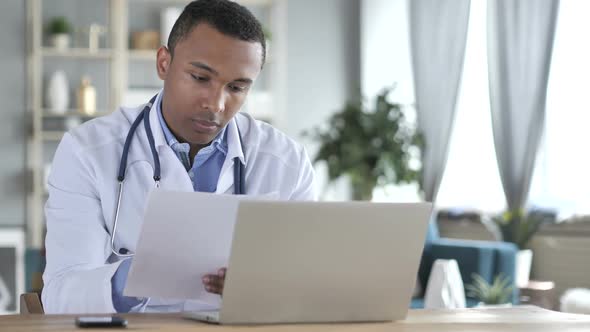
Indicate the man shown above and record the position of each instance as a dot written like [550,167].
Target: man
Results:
[214,54]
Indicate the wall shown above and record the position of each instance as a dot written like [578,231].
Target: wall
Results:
[323,60]
[385,48]
[322,68]
[12,116]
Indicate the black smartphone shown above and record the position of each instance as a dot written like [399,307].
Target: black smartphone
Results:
[105,321]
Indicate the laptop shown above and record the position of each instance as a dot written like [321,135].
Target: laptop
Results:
[321,262]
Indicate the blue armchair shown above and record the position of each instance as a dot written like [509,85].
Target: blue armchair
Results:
[485,258]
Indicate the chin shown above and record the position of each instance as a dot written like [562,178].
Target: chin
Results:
[202,139]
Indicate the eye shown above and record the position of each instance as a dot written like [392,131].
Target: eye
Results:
[199,78]
[236,88]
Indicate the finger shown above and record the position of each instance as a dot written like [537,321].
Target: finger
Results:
[216,282]
[207,278]
[215,289]
[218,285]
[221,273]
[213,284]
[210,285]
[209,281]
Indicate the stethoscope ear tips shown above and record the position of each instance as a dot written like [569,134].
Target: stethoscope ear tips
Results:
[123,251]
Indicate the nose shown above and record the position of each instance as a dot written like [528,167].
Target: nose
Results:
[215,100]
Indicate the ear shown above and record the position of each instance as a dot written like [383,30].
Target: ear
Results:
[163,60]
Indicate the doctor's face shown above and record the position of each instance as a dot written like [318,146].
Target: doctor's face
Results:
[206,82]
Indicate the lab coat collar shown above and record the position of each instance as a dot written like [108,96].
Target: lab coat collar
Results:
[157,130]
[174,176]
[234,142]
[234,149]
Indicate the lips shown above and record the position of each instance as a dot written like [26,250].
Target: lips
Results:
[204,126]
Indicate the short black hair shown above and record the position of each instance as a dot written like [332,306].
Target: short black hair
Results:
[227,17]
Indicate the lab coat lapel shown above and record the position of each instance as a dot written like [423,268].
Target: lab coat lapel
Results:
[140,149]
[159,138]
[225,184]
[174,176]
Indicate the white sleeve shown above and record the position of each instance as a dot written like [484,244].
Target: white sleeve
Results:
[77,277]
[305,189]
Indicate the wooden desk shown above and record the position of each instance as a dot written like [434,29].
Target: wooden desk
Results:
[513,319]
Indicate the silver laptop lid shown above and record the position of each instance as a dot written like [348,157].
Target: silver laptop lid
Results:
[323,262]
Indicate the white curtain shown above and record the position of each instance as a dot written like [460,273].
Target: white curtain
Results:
[561,176]
[438,31]
[520,43]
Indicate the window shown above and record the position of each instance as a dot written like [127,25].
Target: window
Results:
[471,178]
[561,178]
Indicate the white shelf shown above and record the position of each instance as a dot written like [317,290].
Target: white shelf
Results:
[83,53]
[144,55]
[73,113]
[52,135]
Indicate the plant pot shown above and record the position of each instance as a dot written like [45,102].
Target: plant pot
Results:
[524,261]
[362,190]
[60,41]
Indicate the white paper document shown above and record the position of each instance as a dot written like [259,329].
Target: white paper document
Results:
[185,235]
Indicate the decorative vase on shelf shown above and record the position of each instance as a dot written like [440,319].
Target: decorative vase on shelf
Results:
[86,97]
[60,41]
[95,31]
[57,94]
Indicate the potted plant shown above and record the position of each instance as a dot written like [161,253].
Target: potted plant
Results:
[59,29]
[518,227]
[496,294]
[372,145]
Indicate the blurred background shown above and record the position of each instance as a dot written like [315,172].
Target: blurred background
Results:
[476,105]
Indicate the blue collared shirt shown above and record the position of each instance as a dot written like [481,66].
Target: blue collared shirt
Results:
[204,174]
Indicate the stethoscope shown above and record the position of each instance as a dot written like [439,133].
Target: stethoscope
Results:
[239,171]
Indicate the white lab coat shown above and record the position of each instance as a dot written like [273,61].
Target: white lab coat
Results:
[83,188]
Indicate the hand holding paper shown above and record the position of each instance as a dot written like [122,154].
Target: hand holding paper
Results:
[185,237]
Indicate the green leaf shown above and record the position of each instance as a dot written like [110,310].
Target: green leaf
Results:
[373,145]
[519,227]
[59,25]
[499,292]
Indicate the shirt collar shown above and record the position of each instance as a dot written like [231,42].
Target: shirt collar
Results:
[219,142]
